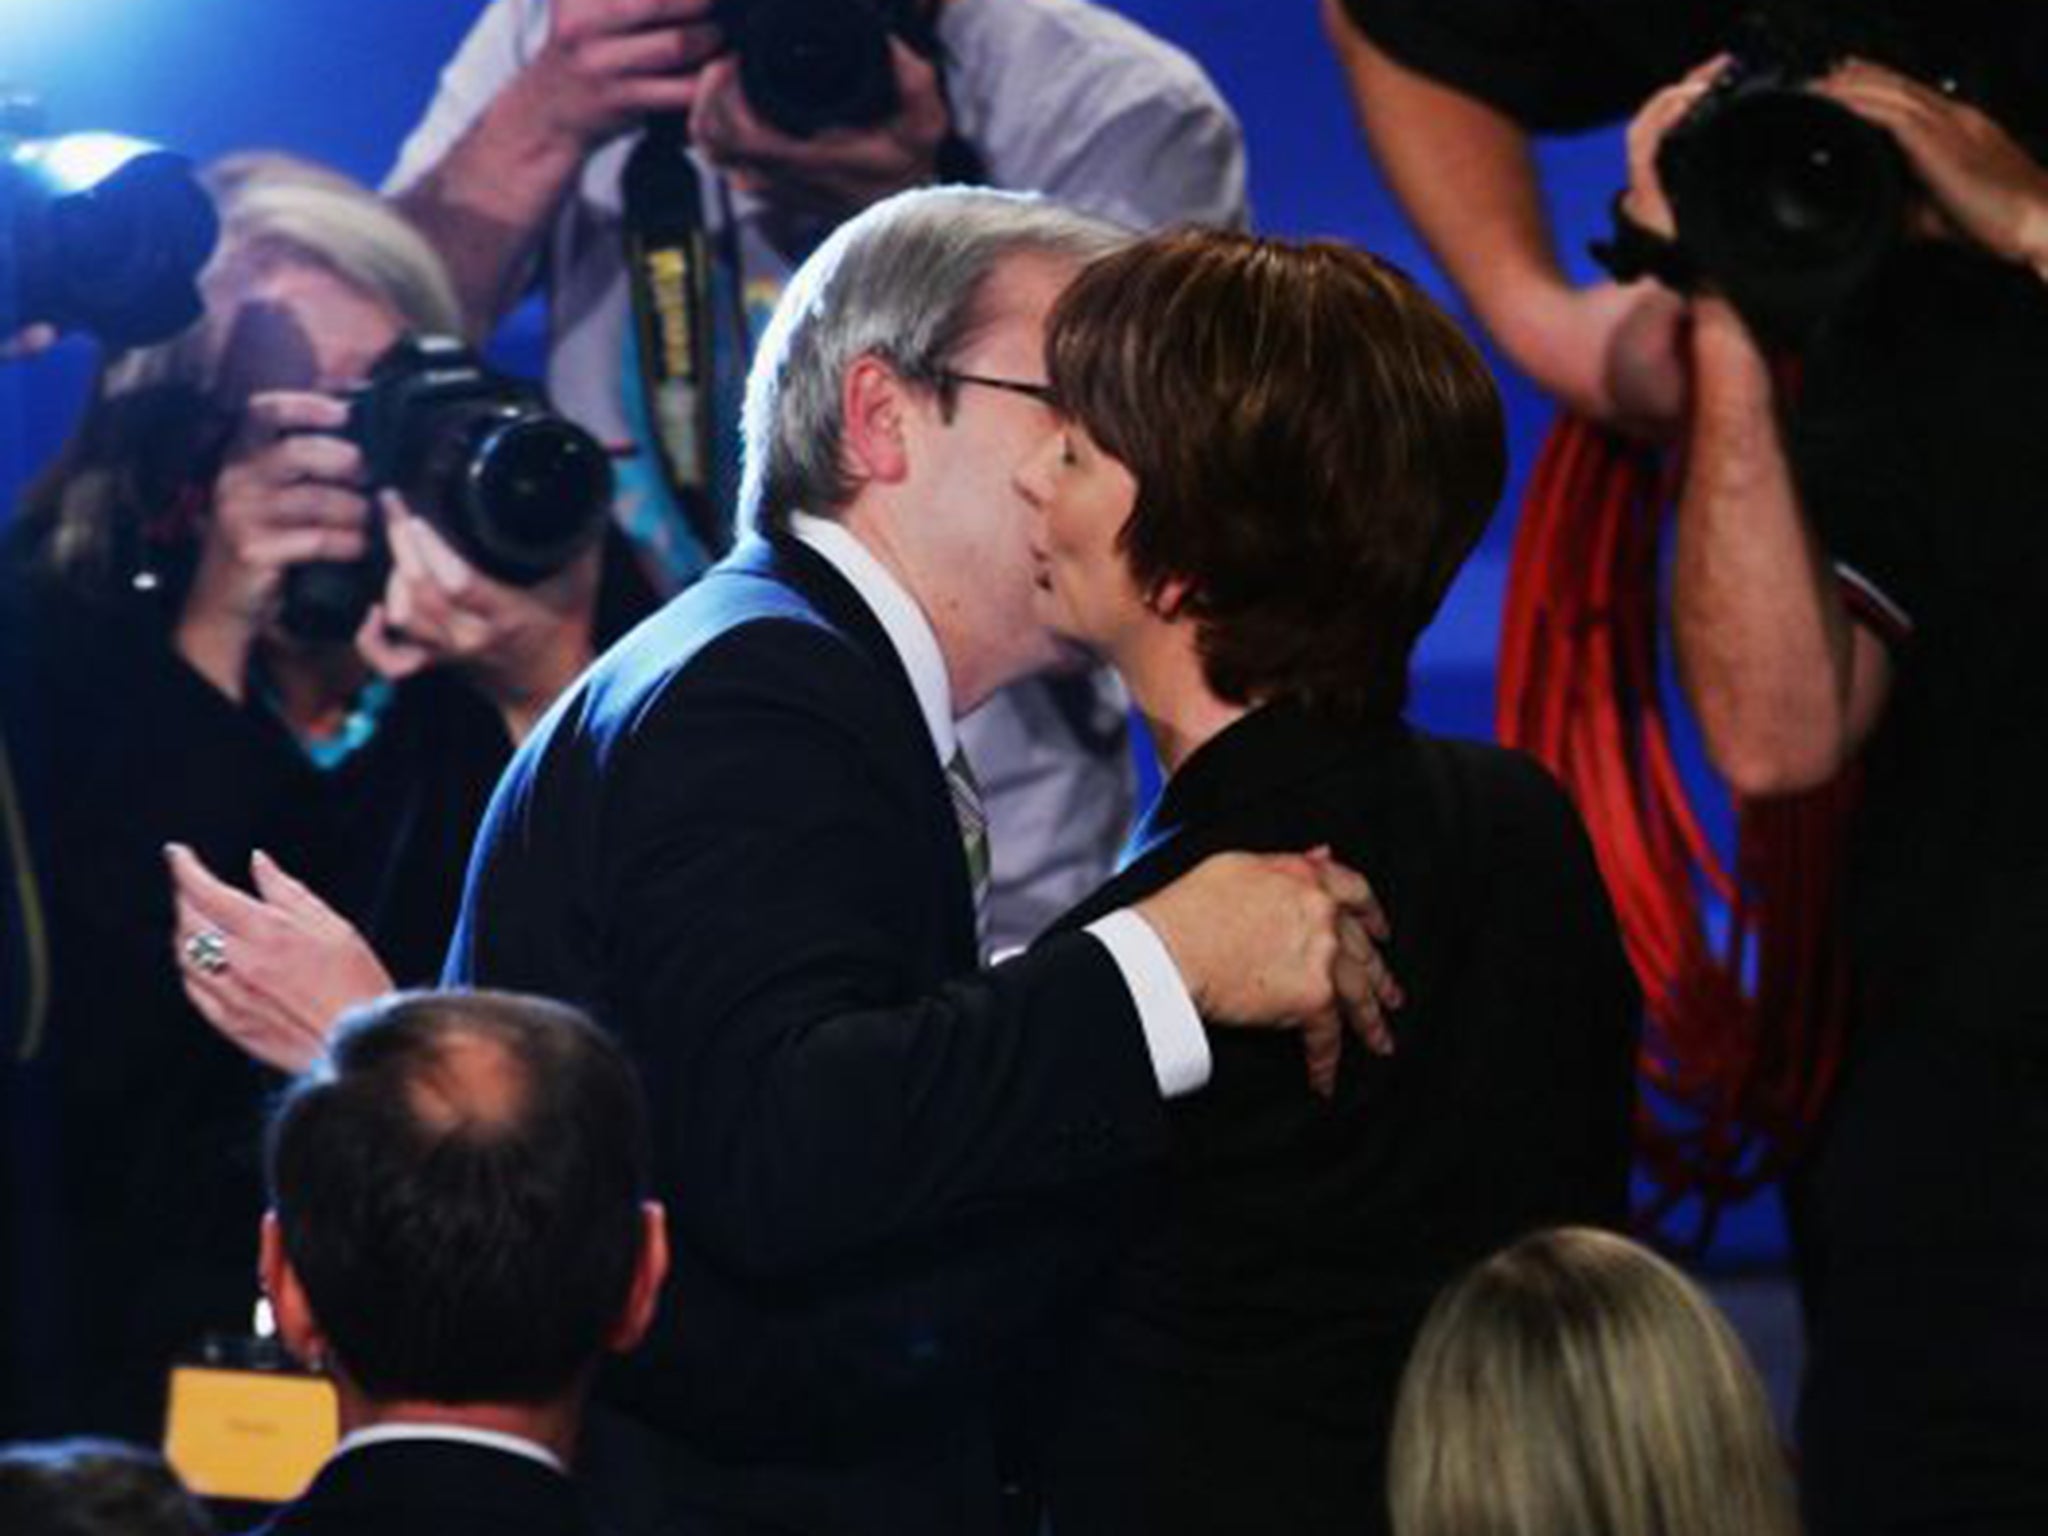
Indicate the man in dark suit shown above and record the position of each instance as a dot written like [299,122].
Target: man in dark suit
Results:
[458,1233]
[745,841]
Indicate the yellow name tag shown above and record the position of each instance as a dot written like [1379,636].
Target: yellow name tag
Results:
[254,1435]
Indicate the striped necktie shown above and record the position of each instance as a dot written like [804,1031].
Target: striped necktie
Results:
[972,815]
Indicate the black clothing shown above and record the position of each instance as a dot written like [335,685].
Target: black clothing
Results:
[433,1488]
[134,1221]
[1564,65]
[733,843]
[1921,450]
[1239,1371]
[1552,65]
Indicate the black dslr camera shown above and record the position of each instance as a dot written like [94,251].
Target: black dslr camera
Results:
[808,65]
[98,233]
[1784,200]
[516,490]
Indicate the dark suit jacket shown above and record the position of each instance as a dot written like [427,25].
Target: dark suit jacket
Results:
[733,842]
[1237,1372]
[433,1488]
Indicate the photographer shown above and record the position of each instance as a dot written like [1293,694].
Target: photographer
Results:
[516,172]
[165,699]
[1861,571]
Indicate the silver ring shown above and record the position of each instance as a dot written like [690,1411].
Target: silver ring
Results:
[207,950]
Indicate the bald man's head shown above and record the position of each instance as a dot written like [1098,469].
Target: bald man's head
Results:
[458,1188]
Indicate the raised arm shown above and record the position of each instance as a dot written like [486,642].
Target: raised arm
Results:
[1464,173]
[510,130]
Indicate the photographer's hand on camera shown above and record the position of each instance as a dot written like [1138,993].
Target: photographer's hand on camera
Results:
[518,646]
[1989,189]
[1644,201]
[836,172]
[606,66]
[290,492]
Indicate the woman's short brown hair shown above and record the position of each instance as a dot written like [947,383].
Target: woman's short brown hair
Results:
[1316,445]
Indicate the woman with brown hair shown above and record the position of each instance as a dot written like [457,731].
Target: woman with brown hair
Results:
[1268,464]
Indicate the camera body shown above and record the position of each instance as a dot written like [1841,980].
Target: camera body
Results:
[98,233]
[1784,200]
[516,490]
[809,65]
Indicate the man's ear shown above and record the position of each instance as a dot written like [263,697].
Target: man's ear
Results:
[873,402]
[649,1270]
[289,1306]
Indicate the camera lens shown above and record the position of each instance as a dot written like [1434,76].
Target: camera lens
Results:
[1804,184]
[807,65]
[536,491]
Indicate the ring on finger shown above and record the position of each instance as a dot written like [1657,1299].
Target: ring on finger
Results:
[207,951]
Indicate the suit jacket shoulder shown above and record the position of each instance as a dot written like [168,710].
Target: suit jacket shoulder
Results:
[434,1488]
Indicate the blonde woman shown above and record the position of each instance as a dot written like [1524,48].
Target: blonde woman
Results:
[1576,1383]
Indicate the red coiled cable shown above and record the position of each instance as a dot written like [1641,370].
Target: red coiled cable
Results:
[1743,1035]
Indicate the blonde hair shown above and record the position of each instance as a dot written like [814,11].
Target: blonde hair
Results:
[156,411]
[1575,1384]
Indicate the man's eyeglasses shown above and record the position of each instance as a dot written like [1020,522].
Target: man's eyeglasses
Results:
[1042,393]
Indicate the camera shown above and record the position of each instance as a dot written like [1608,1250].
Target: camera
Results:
[1784,200]
[515,489]
[809,65]
[98,233]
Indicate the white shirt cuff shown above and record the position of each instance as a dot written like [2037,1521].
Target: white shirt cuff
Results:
[1173,1030]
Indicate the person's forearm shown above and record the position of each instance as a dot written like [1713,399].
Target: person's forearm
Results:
[1765,647]
[485,205]
[1464,174]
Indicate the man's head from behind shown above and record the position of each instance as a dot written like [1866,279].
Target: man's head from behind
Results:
[457,1199]
[906,283]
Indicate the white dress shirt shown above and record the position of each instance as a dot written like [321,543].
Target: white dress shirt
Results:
[1173,1031]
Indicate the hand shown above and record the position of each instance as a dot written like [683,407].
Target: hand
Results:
[519,646]
[1986,186]
[607,64]
[837,171]
[1281,941]
[291,491]
[1616,354]
[26,342]
[290,965]
[1644,201]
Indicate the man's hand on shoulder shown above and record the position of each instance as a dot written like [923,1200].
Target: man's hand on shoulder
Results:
[1284,941]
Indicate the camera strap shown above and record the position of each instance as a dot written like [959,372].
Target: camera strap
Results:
[669,260]
[1634,252]
[24,939]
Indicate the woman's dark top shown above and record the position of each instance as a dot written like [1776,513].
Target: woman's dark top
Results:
[1237,1370]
